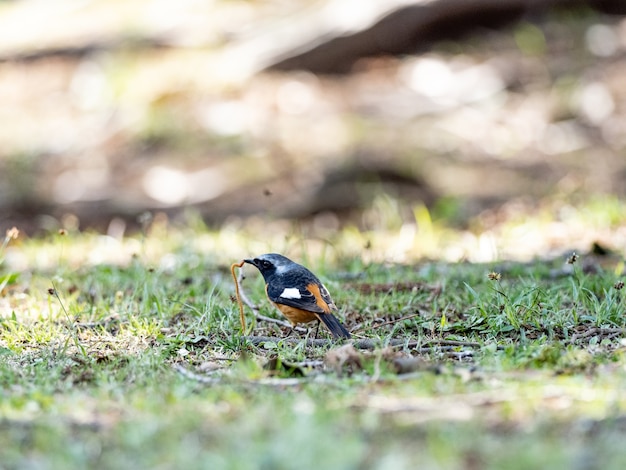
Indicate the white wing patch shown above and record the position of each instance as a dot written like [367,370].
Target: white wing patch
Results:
[291,293]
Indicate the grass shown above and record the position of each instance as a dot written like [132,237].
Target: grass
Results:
[506,364]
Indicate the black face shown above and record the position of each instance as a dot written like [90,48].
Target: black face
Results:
[270,263]
[262,265]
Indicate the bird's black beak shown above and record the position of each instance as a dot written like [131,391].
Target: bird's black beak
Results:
[249,261]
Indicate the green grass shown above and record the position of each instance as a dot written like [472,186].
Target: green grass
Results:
[522,368]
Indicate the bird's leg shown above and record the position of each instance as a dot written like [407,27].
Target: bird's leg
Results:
[317,328]
[292,329]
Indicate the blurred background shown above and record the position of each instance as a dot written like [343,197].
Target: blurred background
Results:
[368,113]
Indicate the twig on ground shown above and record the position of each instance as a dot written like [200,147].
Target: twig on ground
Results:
[205,379]
[392,322]
[417,346]
[449,349]
[449,342]
[257,340]
[276,321]
[599,332]
[271,381]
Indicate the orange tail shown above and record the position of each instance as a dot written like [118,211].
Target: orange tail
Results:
[334,326]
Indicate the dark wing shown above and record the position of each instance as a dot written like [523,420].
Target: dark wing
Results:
[313,297]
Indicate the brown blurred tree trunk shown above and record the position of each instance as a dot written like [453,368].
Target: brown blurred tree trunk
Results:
[415,28]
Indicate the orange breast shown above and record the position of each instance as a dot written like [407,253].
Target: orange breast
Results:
[295,315]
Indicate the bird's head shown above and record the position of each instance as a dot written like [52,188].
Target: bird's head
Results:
[270,263]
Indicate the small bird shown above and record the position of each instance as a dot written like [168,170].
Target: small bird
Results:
[297,292]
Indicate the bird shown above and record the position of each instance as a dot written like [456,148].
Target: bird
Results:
[297,293]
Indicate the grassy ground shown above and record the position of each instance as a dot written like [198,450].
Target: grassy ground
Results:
[129,354]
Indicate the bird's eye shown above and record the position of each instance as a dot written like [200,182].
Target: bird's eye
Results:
[266,264]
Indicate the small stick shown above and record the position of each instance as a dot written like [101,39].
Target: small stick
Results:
[397,320]
[242,318]
[244,298]
[598,331]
